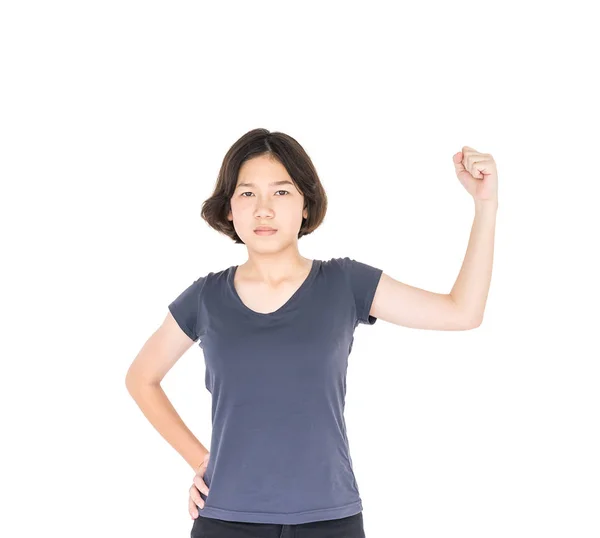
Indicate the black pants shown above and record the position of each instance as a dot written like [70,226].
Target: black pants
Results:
[346,527]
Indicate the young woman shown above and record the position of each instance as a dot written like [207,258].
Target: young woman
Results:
[276,333]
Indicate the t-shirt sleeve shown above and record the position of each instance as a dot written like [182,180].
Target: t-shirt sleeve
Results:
[185,308]
[363,280]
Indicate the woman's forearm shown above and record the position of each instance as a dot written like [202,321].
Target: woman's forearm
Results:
[157,408]
[471,288]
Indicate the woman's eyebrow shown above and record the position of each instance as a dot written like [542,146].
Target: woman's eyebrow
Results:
[272,184]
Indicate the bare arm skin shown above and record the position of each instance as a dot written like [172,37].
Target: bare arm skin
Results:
[157,356]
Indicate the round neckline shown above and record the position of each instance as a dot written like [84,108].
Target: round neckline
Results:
[296,295]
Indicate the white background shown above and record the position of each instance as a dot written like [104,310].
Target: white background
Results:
[115,117]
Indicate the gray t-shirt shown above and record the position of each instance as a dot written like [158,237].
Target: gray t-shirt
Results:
[279,451]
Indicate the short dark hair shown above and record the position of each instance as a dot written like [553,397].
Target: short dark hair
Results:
[290,154]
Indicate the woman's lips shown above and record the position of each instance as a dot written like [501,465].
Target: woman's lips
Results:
[265,232]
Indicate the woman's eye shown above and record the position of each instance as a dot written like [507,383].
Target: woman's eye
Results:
[249,192]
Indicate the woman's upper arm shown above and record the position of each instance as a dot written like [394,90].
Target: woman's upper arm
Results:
[177,333]
[159,353]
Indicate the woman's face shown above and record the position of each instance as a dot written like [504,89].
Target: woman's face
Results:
[265,195]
